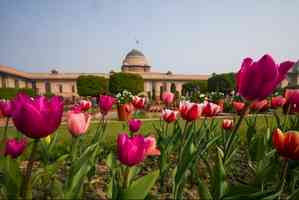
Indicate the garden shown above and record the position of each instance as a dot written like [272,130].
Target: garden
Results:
[205,145]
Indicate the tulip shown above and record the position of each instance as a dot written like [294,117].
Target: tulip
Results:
[169,115]
[85,105]
[238,106]
[14,147]
[78,122]
[106,102]
[257,80]
[6,108]
[151,146]
[138,102]
[134,125]
[37,117]
[189,111]
[131,151]
[292,97]
[227,124]
[286,144]
[128,108]
[259,105]
[278,101]
[167,97]
[210,109]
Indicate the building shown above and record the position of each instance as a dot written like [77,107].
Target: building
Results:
[64,84]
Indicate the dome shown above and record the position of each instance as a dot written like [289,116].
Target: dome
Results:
[135,61]
[135,58]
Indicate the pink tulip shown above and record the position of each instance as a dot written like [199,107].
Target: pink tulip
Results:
[134,125]
[37,117]
[138,102]
[151,146]
[78,122]
[238,106]
[278,101]
[167,97]
[227,124]
[131,151]
[128,108]
[257,80]
[189,111]
[106,102]
[169,115]
[85,105]
[6,108]
[292,97]
[210,109]
[14,147]
[259,105]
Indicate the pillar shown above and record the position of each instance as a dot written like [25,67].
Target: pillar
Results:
[168,86]
[157,90]
[178,87]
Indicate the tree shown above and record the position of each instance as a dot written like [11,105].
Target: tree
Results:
[222,82]
[9,93]
[126,81]
[194,87]
[91,85]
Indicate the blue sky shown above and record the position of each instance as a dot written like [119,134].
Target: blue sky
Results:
[183,36]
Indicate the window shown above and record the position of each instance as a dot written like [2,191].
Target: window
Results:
[48,87]
[73,89]
[3,82]
[60,88]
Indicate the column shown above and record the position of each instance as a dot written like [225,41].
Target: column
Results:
[178,87]
[157,91]
[168,86]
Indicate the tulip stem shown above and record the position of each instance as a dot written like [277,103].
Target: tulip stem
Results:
[233,134]
[4,137]
[26,178]
[74,148]
[283,176]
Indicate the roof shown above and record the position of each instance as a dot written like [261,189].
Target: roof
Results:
[135,52]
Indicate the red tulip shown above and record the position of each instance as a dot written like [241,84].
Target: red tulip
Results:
[134,125]
[78,122]
[169,115]
[138,102]
[278,101]
[259,105]
[257,80]
[14,147]
[167,97]
[286,144]
[131,151]
[85,105]
[210,109]
[238,106]
[227,124]
[189,111]
[151,146]
[105,103]
[37,117]
[6,108]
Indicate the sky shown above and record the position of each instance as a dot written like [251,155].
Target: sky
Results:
[183,36]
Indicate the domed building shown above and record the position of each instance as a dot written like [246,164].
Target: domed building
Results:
[135,61]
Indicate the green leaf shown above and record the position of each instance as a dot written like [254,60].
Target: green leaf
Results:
[141,187]
[203,190]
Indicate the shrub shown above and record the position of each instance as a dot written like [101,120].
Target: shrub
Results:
[9,93]
[222,82]
[126,81]
[91,85]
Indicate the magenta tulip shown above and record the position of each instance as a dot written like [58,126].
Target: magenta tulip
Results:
[6,108]
[131,151]
[14,147]
[257,80]
[37,117]
[106,102]
[78,122]
[167,97]
[134,125]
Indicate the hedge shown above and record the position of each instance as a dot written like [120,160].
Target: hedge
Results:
[9,93]
[91,85]
[126,81]
[221,82]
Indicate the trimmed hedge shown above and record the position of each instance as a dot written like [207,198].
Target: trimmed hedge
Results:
[222,82]
[9,93]
[126,81]
[91,85]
